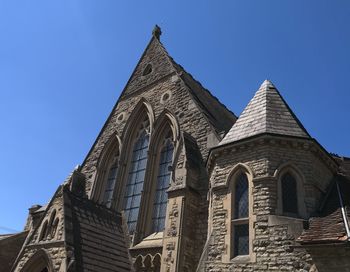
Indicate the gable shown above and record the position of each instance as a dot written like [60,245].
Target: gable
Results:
[153,66]
[198,112]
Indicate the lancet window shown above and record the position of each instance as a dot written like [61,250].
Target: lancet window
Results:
[163,180]
[136,176]
[240,216]
[110,182]
[289,194]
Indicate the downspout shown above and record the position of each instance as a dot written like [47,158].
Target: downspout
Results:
[346,223]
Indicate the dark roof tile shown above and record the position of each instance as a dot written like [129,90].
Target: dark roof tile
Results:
[329,225]
[99,241]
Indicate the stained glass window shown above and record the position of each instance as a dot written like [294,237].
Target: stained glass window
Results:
[161,195]
[136,176]
[241,197]
[289,194]
[241,234]
[111,179]
[240,221]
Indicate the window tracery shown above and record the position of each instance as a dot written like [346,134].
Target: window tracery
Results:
[48,230]
[136,176]
[163,180]
[107,171]
[110,182]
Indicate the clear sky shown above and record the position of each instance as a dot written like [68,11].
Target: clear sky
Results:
[63,64]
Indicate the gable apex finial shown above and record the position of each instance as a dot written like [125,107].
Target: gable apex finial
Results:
[157,32]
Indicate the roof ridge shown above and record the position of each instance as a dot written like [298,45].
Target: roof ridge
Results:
[287,106]
[179,67]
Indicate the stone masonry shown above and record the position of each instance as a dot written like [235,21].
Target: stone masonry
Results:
[78,230]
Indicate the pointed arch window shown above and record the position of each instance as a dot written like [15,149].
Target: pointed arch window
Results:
[110,182]
[289,194]
[107,171]
[136,177]
[240,216]
[43,231]
[163,180]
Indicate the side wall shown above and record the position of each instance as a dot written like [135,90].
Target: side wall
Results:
[52,245]
[273,235]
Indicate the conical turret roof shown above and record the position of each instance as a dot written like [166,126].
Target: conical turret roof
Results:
[267,112]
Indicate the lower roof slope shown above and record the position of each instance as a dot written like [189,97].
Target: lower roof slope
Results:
[267,112]
[10,245]
[99,241]
[332,223]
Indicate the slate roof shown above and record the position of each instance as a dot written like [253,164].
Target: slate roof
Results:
[267,112]
[217,113]
[330,226]
[10,245]
[98,237]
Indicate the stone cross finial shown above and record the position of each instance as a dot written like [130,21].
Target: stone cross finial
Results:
[156,31]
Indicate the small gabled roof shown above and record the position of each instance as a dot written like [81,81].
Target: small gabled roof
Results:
[267,112]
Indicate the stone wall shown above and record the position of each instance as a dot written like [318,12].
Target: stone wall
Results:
[50,244]
[194,122]
[273,237]
[190,118]
[56,254]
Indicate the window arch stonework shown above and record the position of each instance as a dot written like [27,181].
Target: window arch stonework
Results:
[147,263]
[136,176]
[129,191]
[160,195]
[43,231]
[49,227]
[39,262]
[164,141]
[290,192]
[107,169]
[240,220]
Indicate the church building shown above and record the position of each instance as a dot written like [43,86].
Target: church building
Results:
[176,182]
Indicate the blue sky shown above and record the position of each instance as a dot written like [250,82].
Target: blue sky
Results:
[63,64]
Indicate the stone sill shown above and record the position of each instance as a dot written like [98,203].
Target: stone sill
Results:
[243,259]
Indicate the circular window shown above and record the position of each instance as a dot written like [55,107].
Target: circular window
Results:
[147,70]
[165,97]
[120,117]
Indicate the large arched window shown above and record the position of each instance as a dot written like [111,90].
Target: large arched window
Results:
[289,195]
[240,216]
[163,180]
[136,176]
